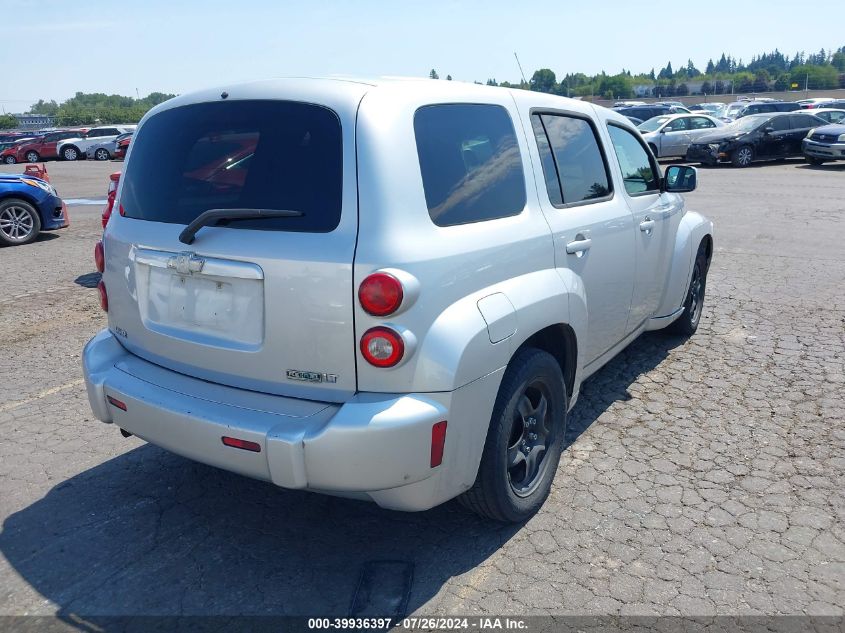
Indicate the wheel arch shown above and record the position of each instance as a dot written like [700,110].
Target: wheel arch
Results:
[694,231]
[560,341]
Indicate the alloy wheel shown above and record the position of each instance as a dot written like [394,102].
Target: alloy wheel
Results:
[695,295]
[744,156]
[101,154]
[32,157]
[16,223]
[531,436]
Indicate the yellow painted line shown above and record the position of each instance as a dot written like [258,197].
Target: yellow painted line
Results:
[43,394]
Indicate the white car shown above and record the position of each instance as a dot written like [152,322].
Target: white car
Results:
[386,290]
[831,115]
[671,135]
[76,148]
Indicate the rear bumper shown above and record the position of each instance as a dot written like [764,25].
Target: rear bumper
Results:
[829,151]
[375,446]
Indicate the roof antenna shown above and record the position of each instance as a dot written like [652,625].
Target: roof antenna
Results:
[520,68]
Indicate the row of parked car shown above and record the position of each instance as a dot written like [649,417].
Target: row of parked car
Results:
[99,143]
[763,129]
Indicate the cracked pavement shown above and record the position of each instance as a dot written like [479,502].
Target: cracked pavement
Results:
[703,477]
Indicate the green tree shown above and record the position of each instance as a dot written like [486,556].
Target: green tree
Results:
[448,77]
[7,122]
[838,61]
[543,80]
[433,74]
[682,90]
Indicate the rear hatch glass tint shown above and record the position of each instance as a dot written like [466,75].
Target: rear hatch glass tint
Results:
[238,155]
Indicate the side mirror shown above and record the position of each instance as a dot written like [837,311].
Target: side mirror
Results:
[768,130]
[680,179]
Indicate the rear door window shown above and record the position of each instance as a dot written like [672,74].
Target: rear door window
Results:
[238,155]
[578,168]
[470,163]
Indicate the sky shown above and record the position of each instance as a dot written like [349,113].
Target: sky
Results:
[176,46]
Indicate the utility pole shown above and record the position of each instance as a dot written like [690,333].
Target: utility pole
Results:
[807,82]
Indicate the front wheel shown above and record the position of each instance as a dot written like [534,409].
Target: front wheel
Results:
[102,154]
[19,222]
[32,157]
[70,153]
[687,323]
[742,157]
[814,161]
[524,441]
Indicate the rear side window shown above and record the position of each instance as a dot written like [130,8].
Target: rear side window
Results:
[470,163]
[238,155]
[638,171]
[576,158]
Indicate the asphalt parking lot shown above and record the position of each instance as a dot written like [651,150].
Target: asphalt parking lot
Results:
[703,477]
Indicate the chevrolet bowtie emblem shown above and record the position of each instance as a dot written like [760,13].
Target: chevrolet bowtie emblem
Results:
[186,263]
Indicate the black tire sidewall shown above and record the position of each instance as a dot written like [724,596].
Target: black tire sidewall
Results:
[684,324]
[525,367]
[36,227]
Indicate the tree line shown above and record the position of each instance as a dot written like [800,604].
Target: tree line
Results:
[98,108]
[766,72]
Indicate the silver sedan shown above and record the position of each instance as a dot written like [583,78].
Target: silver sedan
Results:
[672,134]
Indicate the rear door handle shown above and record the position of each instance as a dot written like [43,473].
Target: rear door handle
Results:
[647,225]
[579,246]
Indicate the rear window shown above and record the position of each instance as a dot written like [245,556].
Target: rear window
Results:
[470,163]
[238,155]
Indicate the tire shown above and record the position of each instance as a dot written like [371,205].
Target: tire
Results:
[102,154]
[32,156]
[70,153]
[687,323]
[742,156]
[814,161]
[10,160]
[514,493]
[19,222]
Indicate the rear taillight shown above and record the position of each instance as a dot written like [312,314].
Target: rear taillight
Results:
[380,294]
[382,347]
[104,298]
[99,257]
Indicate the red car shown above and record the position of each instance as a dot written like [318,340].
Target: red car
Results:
[9,155]
[121,147]
[43,147]
[114,179]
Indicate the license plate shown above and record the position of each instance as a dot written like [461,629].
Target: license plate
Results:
[197,301]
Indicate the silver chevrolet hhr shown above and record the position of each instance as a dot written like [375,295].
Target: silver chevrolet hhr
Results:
[387,290]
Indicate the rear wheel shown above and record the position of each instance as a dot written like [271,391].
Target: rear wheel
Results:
[19,222]
[10,160]
[687,323]
[102,154]
[742,156]
[70,153]
[524,440]
[32,156]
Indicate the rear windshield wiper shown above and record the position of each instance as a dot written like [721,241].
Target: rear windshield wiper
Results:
[212,216]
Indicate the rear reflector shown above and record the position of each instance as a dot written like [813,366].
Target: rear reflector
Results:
[117,403]
[438,441]
[104,298]
[99,257]
[242,444]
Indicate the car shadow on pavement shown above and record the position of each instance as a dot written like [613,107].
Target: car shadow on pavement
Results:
[151,533]
[88,280]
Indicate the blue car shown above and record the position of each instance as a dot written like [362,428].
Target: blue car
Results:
[28,206]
